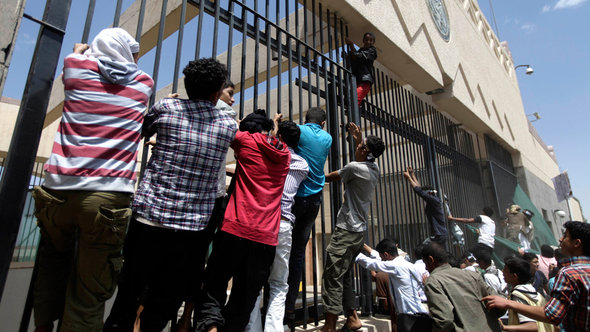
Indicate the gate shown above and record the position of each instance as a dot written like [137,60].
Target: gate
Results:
[284,56]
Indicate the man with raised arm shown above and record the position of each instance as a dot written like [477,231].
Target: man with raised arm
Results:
[174,201]
[360,178]
[83,207]
[433,209]
[569,303]
[314,146]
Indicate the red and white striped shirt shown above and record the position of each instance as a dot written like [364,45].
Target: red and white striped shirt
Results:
[96,144]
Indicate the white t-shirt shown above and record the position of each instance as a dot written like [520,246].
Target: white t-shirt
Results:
[487,230]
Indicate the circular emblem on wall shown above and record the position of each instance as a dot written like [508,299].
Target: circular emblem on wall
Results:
[438,12]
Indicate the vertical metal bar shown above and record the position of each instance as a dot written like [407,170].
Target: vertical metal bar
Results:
[117,13]
[19,162]
[179,46]
[243,64]
[200,29]
[89,14]
[256,53]
[230,34]
[155,77]
[390,157]
[215,31]
[279,57]
[289,61]
[140,21]
[268,55]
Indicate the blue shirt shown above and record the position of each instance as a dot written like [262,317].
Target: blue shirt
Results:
[314,146]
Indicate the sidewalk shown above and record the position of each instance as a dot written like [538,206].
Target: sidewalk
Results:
[379,323]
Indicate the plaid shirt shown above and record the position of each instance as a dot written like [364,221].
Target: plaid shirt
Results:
[180,182]
[570,302]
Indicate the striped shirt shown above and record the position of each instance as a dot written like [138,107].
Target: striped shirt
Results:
[180,182]
[96,144]
[570,296]
[298,170]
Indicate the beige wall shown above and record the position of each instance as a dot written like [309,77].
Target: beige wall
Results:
[8,112]
[474,69]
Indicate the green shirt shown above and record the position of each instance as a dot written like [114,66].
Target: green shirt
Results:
[454,301]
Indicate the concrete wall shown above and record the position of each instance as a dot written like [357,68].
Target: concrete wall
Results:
[544,198]
[11,12]
[8,112]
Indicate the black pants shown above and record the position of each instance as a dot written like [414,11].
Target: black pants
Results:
[481,247]
[249,263]
[414,322]
[156,274]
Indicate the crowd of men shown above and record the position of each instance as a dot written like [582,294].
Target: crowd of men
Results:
[100,232]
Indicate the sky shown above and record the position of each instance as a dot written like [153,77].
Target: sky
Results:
[552,36]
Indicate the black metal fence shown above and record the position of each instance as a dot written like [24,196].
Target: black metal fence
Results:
[285,56]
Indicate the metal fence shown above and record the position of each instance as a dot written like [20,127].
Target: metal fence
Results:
[27,241]
[285,56]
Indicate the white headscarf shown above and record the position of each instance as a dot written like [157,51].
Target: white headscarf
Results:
[115,44]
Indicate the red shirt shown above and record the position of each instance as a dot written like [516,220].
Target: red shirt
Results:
[254,208]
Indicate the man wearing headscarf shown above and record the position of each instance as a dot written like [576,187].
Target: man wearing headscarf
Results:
[89,181]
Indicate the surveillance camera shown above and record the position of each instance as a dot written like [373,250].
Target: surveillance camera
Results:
[560,213]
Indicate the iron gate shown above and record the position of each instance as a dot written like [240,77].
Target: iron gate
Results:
[285,56]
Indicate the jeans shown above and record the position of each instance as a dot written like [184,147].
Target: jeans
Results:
[73,286]
[249,263]
[305,210]
[277,284]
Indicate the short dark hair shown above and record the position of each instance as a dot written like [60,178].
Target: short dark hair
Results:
[454,261]
[375,146]
[387,245]
[315,115]
[370,34]
[483,256]
[436,251]
[529,256]
[520,267]
[290,133]
[228,84]
[547,251]
[488,211]
[203,78]
[256,122]
[418,251]
[579,230]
